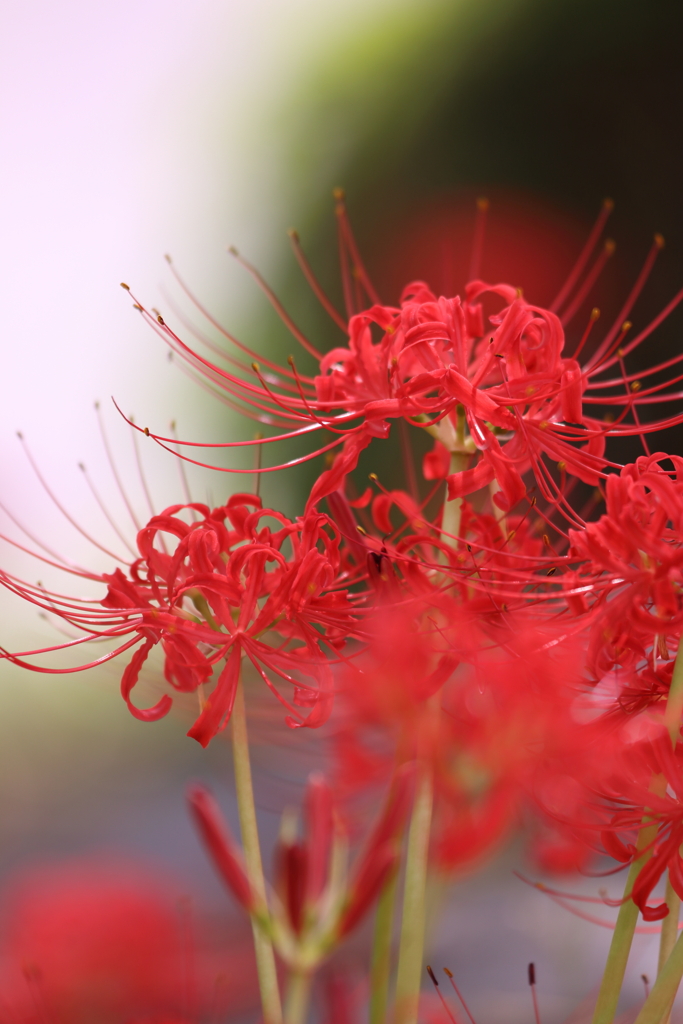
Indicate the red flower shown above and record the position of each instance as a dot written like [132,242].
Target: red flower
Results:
[638,806]
[633,558]
[214,590]
[104,940]
[487,703]
[314,906]
[503,395]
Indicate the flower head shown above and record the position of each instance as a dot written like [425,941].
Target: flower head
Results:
[211,587]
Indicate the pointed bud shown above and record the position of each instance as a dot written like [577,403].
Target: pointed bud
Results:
[373,872]
[395,810]
[220,845]
[291,870]
[320,826]
[295,864]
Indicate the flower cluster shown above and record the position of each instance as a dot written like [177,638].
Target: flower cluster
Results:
[492,632]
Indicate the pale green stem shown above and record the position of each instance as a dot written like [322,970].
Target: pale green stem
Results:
[669,934]
[661,997]
[380,968]
[622,938]
[670,924]
[263,948]
[450,522]
[410,954]
[298,993]
[674,702]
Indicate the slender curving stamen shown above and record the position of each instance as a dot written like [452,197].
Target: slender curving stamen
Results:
[478,238]
[584,256]
[276,304]
[358,271]
[440,994]
[105,511]
[458,993]
[592,320]
[590,280]
[67,515]
[216,323]
[639,284]
[313,282]
[112,466]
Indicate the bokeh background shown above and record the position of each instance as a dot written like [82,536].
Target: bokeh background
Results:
[134,130]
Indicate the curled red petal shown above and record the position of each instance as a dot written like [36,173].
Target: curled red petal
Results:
[218,708]
[130,678]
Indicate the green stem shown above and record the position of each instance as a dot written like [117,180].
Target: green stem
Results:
[380,968]
[669,933]
[450,521]
[622,937]
[298,993]
[674,702]
[661,997]
[409,975]
[263,948]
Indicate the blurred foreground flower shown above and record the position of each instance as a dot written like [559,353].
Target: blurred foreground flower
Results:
[104,940]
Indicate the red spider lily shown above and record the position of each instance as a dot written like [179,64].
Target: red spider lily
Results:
[633,556]
[638,806]
[487,704]
[505,397]
[314,906]
[214,590]
[493,567]
[105,940]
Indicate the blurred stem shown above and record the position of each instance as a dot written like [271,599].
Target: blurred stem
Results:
[658,1003]
[674,702]
[620,947]
[263,948]
[450,520]
[410,954]
[669,934]
[622,938]
[380,968]
[298,993]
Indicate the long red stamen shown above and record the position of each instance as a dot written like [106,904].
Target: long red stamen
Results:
[592,320]
[314,283]
[112,466]
[105,511]
[58,504]
[358,271]
[458,993]
[478,238]
[603,348]
[584,255]
[532,984]
[218,326]
[440,994]
[276,304]
[583,292]
[347,284]
[630,389]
